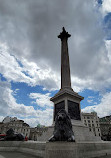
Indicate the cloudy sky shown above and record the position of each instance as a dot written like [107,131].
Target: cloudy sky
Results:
[30,56]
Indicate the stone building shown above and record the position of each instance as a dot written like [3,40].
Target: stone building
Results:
[19,126]
[8,119]
[37,132]
[91,120]
[105,126]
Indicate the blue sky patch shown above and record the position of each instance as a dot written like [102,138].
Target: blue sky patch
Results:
[107,26]
[90,98]
[2,77]
[23,92]
[100,1]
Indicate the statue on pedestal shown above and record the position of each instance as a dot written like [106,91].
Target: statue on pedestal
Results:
[63,128]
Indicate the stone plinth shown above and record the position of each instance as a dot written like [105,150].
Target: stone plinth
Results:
[47,134]
[77,150]
[81,133]
[58,149]
[70,101]
[61,150]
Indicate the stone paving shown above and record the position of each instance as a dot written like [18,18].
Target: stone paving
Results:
[15,155]
[108,156]
[22,155]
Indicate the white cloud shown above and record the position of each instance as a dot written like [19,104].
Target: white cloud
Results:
[9,66]
[89,101]
[1,118]
[90,97]
[29,72]
[31,35]
[43,117]
[108,47]
[8,106]
[42,99]
[102,109]
[33,74]
[106,6]
[41,75]
[16,91]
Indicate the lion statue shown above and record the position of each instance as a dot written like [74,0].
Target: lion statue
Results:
[12,136]
[63,128]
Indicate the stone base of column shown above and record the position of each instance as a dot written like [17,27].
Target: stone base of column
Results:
[81,133]
[60,150]
[77,150]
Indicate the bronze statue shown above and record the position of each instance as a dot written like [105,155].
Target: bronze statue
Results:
[11,136]
[63,128]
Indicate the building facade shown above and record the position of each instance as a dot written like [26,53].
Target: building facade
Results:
[19,126]
[37,132]
[105,126]
[91,120]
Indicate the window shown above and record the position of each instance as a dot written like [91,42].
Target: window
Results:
[98,129]
[88,121]
[88,117]
[89,129]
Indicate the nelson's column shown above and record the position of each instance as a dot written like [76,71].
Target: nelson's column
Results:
[67,99]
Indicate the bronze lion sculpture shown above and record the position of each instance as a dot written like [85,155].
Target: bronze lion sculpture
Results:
[11,136]
[63,128]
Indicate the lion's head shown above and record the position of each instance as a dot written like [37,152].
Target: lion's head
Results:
[61,115]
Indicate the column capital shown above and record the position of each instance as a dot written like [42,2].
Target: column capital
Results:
[64,34]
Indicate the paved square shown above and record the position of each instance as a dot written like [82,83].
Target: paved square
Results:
[15,155]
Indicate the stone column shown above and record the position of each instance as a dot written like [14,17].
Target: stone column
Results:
[66,98]
[65,66]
